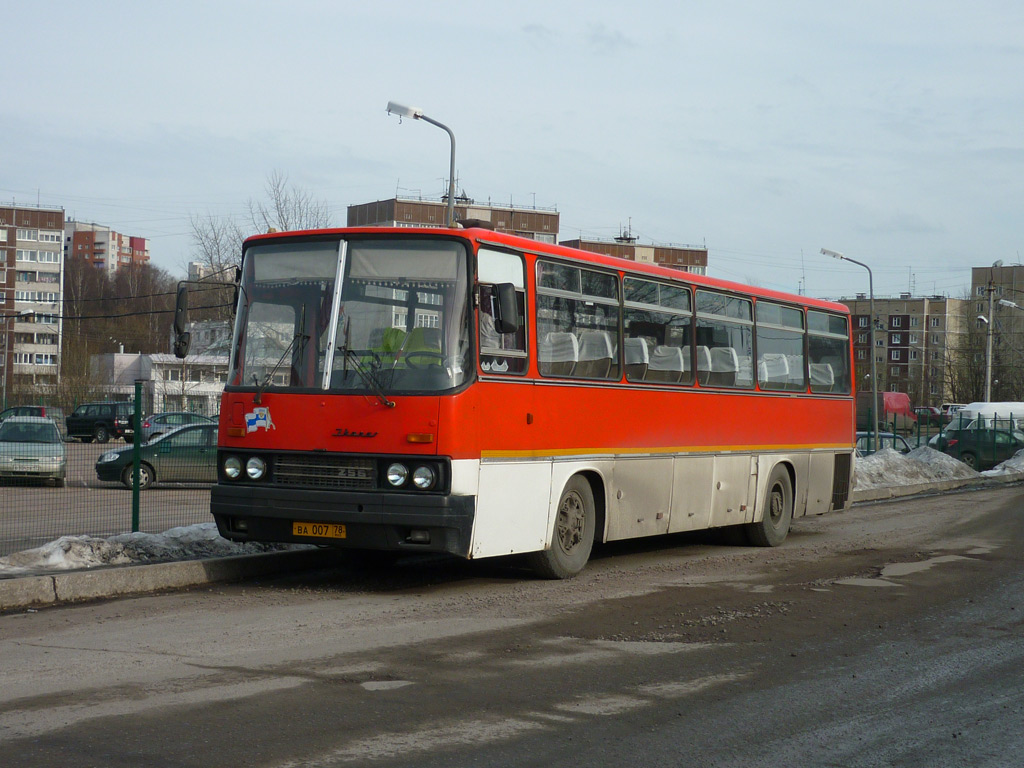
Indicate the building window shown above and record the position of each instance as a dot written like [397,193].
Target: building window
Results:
[895,322]
[896,339]
[913,338]
[861,354]
[894,371]
[862,338]
[28,234]
[913,354]
[862,322]
[914,321]
[935,322]
[894,354]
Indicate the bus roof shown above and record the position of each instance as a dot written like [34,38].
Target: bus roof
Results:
[488,236]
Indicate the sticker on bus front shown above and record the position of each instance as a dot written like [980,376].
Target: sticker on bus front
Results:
[260,417]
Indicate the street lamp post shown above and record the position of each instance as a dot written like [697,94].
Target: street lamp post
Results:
[871,309]
[988,347]
[417,114]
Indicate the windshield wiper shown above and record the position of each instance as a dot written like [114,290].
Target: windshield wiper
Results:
[367,376]
[300,335]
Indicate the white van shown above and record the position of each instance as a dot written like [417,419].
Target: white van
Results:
[1007,415]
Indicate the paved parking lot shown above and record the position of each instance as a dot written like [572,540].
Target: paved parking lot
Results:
[31,515]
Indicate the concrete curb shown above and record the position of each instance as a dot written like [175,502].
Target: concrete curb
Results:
[918,489]
[79,586]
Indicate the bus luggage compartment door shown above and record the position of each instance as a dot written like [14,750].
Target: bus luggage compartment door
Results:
[733,490]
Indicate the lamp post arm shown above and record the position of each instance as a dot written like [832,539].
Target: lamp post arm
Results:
[451,167]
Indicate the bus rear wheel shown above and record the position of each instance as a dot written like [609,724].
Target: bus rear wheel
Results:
[573,535]
[773,527]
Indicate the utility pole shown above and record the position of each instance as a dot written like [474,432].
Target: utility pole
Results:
[988,345]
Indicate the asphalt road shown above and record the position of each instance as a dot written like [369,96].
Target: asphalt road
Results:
[887,635]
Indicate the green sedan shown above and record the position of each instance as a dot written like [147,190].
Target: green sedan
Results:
[185,455]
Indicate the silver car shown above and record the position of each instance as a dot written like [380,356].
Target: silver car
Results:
[31,448]
[158,423]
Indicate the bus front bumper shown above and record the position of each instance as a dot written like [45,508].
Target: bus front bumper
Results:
[382,521]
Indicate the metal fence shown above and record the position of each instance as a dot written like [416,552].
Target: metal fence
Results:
[52,488]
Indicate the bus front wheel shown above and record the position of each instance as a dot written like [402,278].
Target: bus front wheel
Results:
[573,535]
[773,527]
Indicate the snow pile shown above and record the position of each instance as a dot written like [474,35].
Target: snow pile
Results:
[1011,466]
[888,468]
[186,543]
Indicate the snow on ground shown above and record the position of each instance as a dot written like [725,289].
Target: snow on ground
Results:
[888,468]
[885,469]
[1014,464]
[71,552]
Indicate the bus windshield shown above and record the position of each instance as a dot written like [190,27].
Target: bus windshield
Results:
[399,323]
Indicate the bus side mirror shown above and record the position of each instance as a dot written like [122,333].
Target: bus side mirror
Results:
[182,338]
[507,320]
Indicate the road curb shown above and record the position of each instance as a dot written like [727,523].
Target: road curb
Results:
[918,489]
[80,586]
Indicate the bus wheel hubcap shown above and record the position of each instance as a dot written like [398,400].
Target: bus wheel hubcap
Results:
[571,518]
[777,505]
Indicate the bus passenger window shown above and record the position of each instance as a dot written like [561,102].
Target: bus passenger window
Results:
[582,304]
[780,347]
[828,352]
[658,320]
[500,352]
[725,327]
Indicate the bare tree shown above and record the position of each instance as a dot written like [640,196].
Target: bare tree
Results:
[288,208]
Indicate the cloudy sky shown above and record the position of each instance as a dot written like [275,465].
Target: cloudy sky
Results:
[890,131]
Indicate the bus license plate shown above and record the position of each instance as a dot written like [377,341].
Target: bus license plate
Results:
[320,530]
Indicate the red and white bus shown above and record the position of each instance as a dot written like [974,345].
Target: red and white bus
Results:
[480,394]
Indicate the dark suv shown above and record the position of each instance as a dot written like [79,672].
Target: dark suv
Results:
[101,421]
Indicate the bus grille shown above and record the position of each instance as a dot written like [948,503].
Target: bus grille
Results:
[325,472]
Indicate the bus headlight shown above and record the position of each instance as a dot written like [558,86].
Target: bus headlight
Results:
[255,468]
[398,474]
[232,467]
[424,478]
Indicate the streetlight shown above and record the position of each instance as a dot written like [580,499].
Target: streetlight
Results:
[417,114]
[871,309]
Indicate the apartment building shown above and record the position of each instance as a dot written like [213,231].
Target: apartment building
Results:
[915,340]
[31,292]
[532,222]
[687,258]
[103,247]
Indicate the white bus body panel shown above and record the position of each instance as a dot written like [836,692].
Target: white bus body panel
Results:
[512,508]
[644,496]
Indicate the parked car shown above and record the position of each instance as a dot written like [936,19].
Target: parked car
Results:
[31,447]
[158,423]
[867,444]
[42,411]
[981,449]
[929,416]
[101,421]
[185,454]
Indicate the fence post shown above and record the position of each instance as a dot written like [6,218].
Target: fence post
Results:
[136,453]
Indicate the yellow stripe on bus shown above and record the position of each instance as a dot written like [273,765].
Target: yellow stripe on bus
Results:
[539,453]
